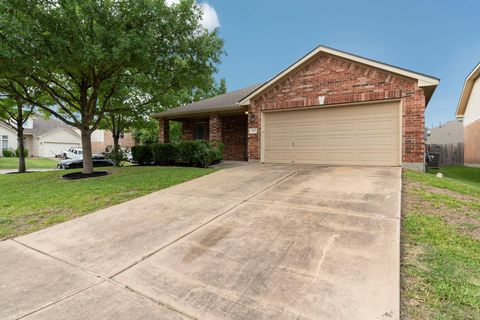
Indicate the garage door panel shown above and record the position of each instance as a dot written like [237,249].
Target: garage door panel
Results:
[364,135]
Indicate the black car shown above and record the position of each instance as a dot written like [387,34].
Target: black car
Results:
[78,163]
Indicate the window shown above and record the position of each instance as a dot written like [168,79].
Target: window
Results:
[4,142]
[201,131]
[122,135]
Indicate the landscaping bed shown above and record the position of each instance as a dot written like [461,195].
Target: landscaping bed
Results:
[441,245]
[36,200]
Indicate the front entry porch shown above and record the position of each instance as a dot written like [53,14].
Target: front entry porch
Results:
[228,128]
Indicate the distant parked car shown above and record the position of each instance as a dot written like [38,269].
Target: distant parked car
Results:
[77,153]
[72,153]
[78,163]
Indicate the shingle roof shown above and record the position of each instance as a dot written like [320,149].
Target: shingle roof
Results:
[226,101]
[447,133]
[42,126]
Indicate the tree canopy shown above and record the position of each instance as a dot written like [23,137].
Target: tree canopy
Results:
[79,52]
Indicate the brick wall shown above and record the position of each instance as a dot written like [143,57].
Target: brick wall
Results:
[234,133]
[344,81]
[215,129]
[163,130]
[127,142]
[472,143]
[98,146]
[187,130]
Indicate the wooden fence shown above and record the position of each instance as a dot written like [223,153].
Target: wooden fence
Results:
[450,154]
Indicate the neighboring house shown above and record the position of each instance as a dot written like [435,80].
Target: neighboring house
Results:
[468,109]
[42,137]
[103,138]
[447,133]
[8,138]
[330,107]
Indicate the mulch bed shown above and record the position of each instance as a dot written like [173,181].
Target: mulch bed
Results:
[80,175]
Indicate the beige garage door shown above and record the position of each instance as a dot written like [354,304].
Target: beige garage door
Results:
[346,135]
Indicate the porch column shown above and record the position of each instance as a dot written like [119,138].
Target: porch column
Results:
[163,130]
[215,128]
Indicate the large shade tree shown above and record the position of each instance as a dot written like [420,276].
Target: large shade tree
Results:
[80,51]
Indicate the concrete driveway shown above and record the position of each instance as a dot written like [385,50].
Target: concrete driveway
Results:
[250,242]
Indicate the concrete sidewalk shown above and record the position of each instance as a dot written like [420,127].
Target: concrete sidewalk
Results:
[250,242]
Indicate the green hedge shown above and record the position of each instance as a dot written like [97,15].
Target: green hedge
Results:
[7,153]
[188,153]
[25,152]
[142,154]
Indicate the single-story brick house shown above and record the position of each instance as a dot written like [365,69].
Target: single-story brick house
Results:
[468,109]
[330,107]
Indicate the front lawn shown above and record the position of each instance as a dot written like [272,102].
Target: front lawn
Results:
[441,244]
[32,201]
[32,163]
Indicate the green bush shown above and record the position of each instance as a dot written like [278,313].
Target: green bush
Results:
[8,153]
[186,151]
[164,154]
[117,157]
[25,152]
[189,153]
[142,154]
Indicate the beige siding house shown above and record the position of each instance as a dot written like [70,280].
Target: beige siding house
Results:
[468,109]
[43,137]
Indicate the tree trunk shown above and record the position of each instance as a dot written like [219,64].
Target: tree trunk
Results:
[21,149]
[87,151]
[20,146]
[116,148]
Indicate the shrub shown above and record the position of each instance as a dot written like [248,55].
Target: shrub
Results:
[142,154]
[116,157]
[8,153]
[17,152]
[186,151]
[190,153]
[164,154]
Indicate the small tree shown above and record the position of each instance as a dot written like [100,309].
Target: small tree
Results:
[14,113]
[80,51]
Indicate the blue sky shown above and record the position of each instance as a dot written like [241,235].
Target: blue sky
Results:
[439,38]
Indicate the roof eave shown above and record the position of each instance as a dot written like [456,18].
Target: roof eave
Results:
[423,80]
[466,91]
[184,114]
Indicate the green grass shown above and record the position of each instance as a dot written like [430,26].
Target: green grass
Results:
[32,163]
[441,245]
[463,180]
[32,201]
[447,271]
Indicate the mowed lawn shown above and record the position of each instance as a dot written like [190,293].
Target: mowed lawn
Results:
[441,245]
[32,163]
[32,201]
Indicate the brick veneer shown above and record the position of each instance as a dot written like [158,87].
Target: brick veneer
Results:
[163,130]
[215,128]
[234,133]
[472,143]
[344,81]
[187,130]
[128,141]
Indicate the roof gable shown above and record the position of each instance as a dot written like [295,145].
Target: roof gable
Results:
[466,91]
[424,81]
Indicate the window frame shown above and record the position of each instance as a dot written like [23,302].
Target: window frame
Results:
[205,125]
[4,138]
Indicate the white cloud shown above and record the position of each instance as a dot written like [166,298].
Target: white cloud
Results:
[209,18]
